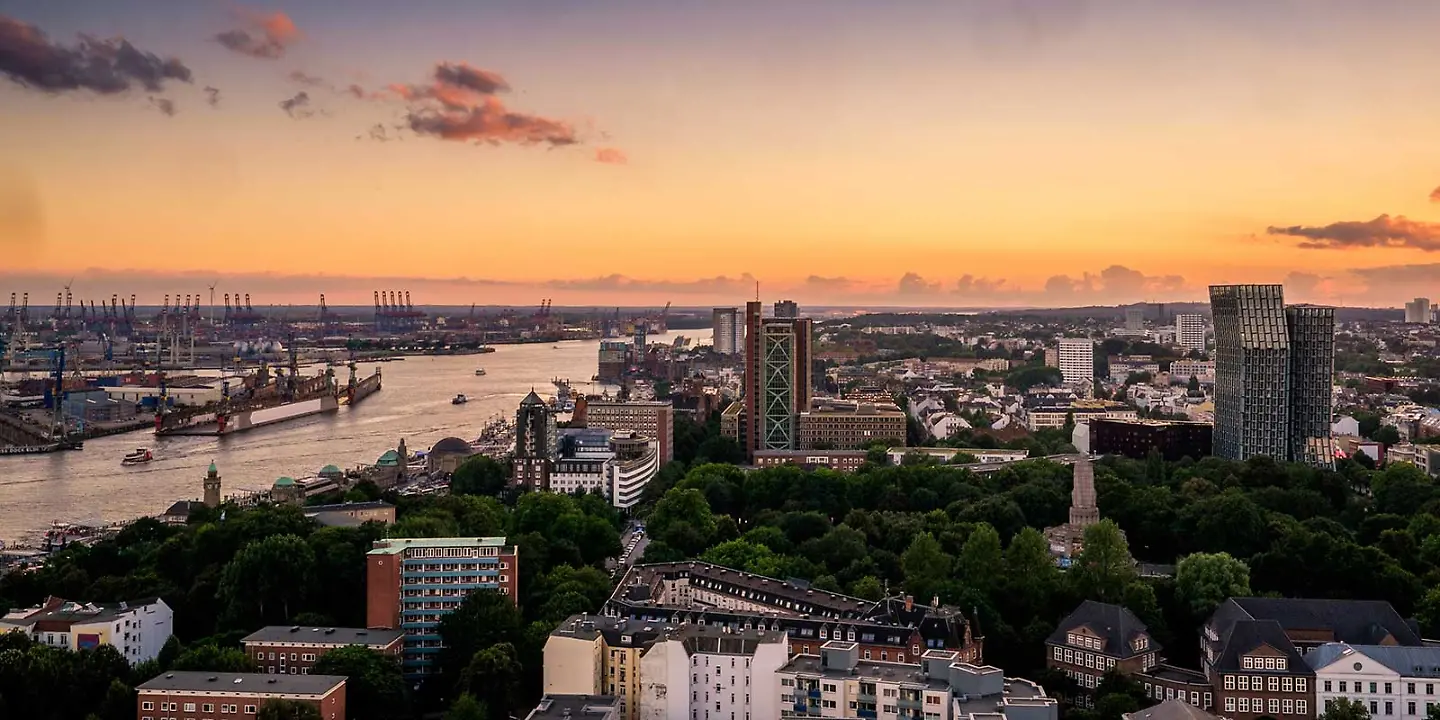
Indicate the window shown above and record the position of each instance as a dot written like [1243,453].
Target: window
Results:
[1389,708]
[1374,707]
[1372,690]
[1387,689]
[1274,683]
[1300,706]
[901,657]
[189,707]
[1429,688]
[1247,663]
[1300,687]
[1230,704]
[1195,698]
[1287,683]
[147,705]
[1244,682]
[1209,702]
[1245,704]
[249,709]
[1280,663]
[1287,706]
[1410,688]
[1410,706]
[272,656]
[1342,686]
[1274,706]
[208,707]
[1269,663]
[1230,683]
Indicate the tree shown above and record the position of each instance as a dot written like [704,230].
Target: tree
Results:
[1343,708]
[479,475]
[466,707]
[682,520]
[867,588]
[1193,387]
[482,620]
[374,687]
[1204,580]
[744,555]
[493,677]
[212,658]
[981,563]
[1104,566]
[288,710]
[926,566]
[267,581]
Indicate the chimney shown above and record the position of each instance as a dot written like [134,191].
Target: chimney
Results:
[935,602]
[909,603]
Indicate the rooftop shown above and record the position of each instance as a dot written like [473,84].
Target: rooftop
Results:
[256,683]
[396,546]
[573,706]
[56,611]
[1171,710]
[344,507]
[1419,662]
[323,635]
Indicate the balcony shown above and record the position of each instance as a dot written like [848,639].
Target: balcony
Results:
[814,693]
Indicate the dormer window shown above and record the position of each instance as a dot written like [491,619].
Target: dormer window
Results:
[1142,642]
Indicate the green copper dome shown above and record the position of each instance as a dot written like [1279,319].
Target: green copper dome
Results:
[389,459]
[285,482]
[213,469]
[330,470]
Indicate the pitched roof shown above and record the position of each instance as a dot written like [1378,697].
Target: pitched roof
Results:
[532,399]
[1171,710]
[1358,622]
[1245,636]
[1421,662]
[1113,623]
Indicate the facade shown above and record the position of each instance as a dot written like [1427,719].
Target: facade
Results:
[536,443]
[293,650]
[654,420]
[352,514]
[1096,638]
[786,309]
[1202,370]
[1190,332]
[1076,360]
[729,327]
[412,582]
[1137,438]
[701,671]
[1173,709]
[1273,368]
[840,460]
[1390,681]
[846,425]
[1135,318]
[894,629]
[184,695]
[595,654]
[837,683]
[448,454]
[613,358]
[637,461]
[777,379]
[138,629]
[1417,311]
[1252,649]
[1057,416]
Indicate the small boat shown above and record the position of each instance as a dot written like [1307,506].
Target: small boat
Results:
[460,400]
[141,455]
[479,372]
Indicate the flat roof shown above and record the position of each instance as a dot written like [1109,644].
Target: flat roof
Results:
[395,546]
[254,683]
[323,635]
[572,706]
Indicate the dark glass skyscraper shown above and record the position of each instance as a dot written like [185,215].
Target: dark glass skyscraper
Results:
[1273,368]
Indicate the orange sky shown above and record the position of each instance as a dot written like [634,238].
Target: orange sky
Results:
[816,140]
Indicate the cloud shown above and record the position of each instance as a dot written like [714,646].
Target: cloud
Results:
[611,156]
[297,107]
[829,284]
[970,285]
[460,104]
[1435,195]
[304,78]
[912,284]
[378,133]
[722,284]
[102,66]
[163,105]
[1384,231]
[262,35]
[212,96]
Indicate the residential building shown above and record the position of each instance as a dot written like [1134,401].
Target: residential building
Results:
[839,460]
[1252,649]
[848,425]
[204,694]
[1173,439]
[1076,358]
[654,420]
[613,357]
[707,671]
[1390,681]
[1135,318]
[897,455]
[1190,332]
[1174,709]
[137,629]
[895,628]
[1096,638]
[837,683]
[569,707]
[582,462]
[352,514]
[1273,368]
[1202,370]
[637,461]
[1042,416]
[412,582]
[536,444]
[729,327]
[293,649]
[777,379]
[599,655]
[1417,311]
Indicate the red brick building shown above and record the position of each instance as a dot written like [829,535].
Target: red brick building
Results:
[293,650]
[222,696]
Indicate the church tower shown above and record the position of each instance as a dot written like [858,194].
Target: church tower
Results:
[212,487]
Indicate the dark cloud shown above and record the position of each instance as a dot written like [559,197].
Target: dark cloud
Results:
[723,284]
[1384,231]
[107,67]
[460,104]
[265,36]
[304,78]
[378,133]
[297,107]
[1435,195]
[212,96]
[611,156]
[163,105]
[912,284]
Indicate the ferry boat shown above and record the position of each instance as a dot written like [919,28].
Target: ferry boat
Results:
[460,400]
[140,455]
[479,372]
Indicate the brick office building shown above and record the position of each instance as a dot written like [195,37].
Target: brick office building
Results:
[195,695]
[293,650]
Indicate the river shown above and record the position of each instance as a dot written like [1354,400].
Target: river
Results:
[91,486]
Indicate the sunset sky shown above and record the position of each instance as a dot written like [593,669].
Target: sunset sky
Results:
[925,152]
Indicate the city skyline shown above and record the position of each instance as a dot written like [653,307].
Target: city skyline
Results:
[924,153]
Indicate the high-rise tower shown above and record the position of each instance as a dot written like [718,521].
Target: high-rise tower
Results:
[536,443]
[777,379]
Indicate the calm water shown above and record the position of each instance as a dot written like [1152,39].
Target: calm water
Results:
[91,486]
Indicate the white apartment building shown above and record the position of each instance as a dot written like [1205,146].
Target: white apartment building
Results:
[709,672]
[1076,359]
[1190,332]
[1418,311]
[138,628]
[729,326]
[838,684]
[1391,681]
[1183,370]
